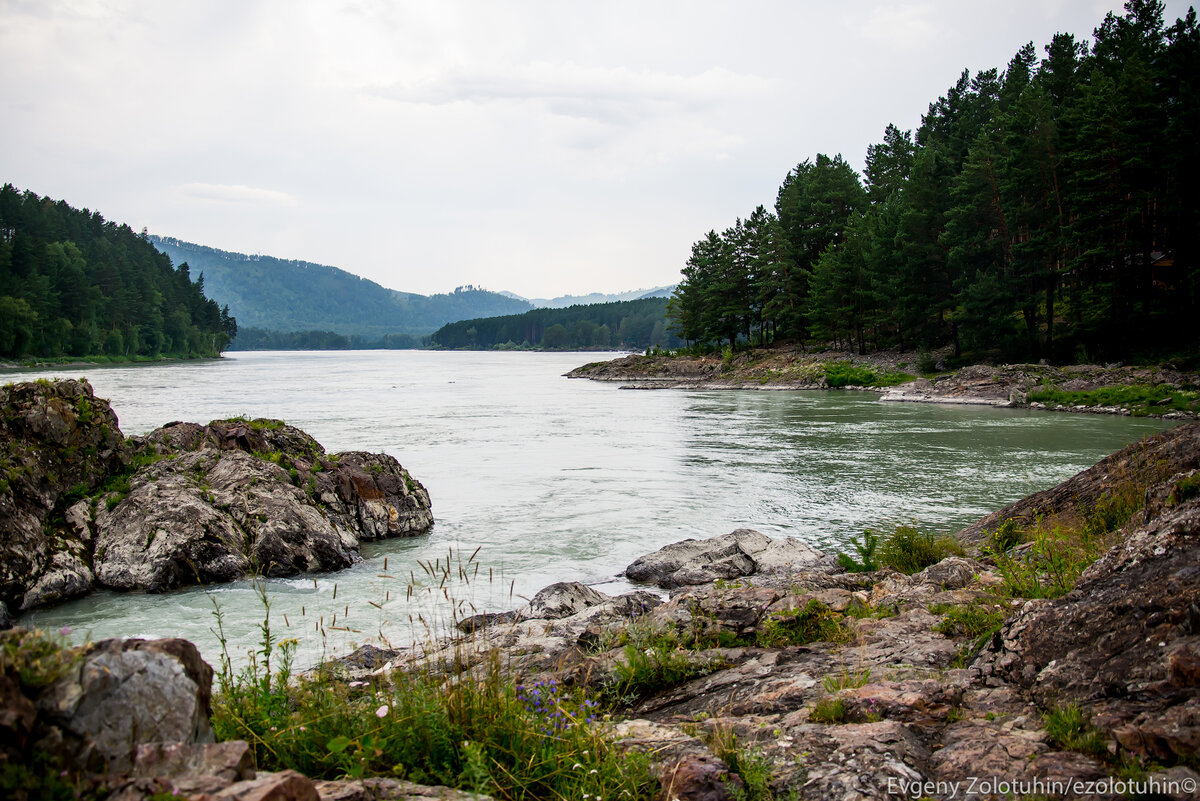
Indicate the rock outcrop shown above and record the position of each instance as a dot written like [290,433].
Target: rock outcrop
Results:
[58,443]
[184,504]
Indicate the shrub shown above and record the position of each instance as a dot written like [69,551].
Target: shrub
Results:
[909,550]
[866,555]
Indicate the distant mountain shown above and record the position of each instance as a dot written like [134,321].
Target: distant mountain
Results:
[563,301]
[268,295]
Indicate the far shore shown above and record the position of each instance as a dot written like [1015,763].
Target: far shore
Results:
[1143,391]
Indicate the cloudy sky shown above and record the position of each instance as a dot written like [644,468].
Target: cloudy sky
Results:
[540,147]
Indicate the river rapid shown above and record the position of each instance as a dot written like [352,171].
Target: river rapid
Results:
[536,478]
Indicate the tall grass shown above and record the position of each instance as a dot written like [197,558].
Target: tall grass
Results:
[476,731]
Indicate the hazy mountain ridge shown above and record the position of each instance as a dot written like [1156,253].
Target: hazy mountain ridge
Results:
[264,292]
[592,298]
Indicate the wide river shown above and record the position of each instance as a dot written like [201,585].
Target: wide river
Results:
[554,479]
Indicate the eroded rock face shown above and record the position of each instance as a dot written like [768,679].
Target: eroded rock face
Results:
[57,442]
[1125,641]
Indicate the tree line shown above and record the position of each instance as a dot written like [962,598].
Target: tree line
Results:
[264,339]
[635,324]
[1046,210]
[75,284]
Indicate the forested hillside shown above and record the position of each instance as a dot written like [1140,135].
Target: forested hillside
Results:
[74,284]
[630,324]
[278,296]
[1045,210]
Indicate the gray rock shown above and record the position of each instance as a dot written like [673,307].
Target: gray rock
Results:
[561,600]
[700,561]
[58,442]
[743,552]
[126,693]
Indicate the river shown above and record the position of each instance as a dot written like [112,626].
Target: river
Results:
[541,479]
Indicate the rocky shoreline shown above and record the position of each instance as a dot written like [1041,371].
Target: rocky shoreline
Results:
[82,506]
[1010,386]
[771,672]
[1053,650]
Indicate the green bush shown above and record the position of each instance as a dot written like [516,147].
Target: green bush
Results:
[866,548]
[844,374]
[910,550]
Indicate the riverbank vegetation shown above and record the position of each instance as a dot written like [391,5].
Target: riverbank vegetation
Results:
[1044,210]
[74,284]
[637,324]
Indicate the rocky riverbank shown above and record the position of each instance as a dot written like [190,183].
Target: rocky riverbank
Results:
[1161,391]
[769,672]
[82,506]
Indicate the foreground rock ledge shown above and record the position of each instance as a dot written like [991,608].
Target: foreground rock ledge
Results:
[84,507]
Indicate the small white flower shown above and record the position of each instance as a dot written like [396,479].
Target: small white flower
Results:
[382,711]
[576,766]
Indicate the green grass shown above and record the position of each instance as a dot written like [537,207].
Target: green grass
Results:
[812,623]
[845,680]
[1139,400]
[1069,729]
[843,374]
[473,732]
[910,550]
[829,709]
[906,549]
[749,764]
[646,671]
[972,620]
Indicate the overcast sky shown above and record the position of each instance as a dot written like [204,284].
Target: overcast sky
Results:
[540,147]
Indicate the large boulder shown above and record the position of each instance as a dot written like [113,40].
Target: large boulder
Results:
[125,693]
[236,496]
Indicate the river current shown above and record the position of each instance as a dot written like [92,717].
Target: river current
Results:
[536,478]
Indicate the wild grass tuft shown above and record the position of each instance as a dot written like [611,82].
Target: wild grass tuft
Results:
[749,764]
[829,709]
[1069,728]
